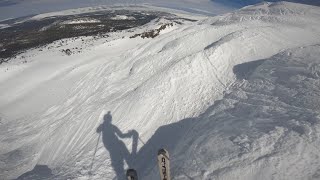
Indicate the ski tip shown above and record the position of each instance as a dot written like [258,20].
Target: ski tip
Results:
[162,151]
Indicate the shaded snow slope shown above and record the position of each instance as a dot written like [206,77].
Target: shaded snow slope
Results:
[231,97]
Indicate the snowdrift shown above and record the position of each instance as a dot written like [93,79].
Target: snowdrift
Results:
[231,97]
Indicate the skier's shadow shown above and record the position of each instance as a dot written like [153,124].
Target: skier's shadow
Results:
[117,149]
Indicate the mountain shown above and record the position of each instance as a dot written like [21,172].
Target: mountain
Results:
[242,3]
[235,96]
[19,8]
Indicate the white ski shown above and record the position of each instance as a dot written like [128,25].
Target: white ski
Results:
[164,164]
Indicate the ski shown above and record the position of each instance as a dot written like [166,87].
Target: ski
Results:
[164,164]
[132,174]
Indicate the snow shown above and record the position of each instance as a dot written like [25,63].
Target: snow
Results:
[242,3]
[234,96]
[122,17]
[25,8]
[70,12]
[143,7]
[207,7]
[265,127]
[82,20]
[2,26]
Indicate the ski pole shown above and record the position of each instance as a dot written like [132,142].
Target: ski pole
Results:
[95,152]
[142,141]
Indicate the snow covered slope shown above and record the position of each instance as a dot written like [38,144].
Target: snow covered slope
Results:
[231,97]
[265,127]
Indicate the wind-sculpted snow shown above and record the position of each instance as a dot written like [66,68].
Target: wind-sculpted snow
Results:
[231,97]
[265,127]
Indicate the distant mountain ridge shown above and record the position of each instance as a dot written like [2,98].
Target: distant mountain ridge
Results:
[241,3]
[19,8]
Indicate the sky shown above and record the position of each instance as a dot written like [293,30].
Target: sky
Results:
[19,8]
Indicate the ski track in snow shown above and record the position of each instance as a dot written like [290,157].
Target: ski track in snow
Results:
[234,96]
